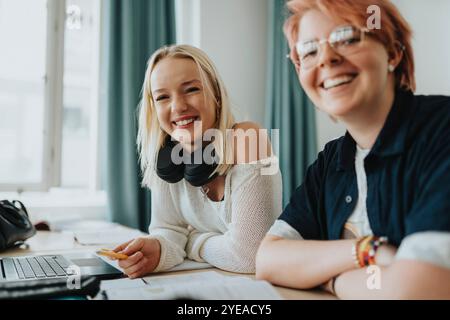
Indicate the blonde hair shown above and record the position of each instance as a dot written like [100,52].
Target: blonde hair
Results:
[151,137]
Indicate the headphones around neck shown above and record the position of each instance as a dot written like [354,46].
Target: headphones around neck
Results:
[196,174]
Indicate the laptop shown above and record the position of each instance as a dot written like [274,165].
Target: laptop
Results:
[37,267]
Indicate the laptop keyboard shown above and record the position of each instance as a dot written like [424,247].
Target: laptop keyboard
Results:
[41,267]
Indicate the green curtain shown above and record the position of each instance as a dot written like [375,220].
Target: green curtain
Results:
[132,31]
[288,108]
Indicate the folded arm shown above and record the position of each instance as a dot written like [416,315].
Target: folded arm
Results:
[420,269]
[302,264]
[404,279]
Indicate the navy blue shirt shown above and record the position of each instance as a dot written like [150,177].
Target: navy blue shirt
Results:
[408,177]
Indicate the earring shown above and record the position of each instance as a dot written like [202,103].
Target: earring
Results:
[391,68]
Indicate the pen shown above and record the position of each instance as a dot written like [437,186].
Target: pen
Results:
[112,254]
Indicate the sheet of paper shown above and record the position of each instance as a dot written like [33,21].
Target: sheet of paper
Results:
[125,283]
[200,277]
[205,285]
[230,290]
[112,237]
[118,284]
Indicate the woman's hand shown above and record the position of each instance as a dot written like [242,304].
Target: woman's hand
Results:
[143,256]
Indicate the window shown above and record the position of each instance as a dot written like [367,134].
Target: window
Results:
[49,94]
[80,99]
[22,91]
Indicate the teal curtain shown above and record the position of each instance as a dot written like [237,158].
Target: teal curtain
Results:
[132,31]
[288,108]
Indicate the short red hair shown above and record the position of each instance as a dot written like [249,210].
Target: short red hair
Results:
[394,28]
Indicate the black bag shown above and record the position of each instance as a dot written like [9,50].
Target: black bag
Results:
[15,226]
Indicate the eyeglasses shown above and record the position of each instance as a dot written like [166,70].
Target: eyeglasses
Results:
[344,40]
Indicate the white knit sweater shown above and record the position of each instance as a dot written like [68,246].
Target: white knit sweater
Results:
[225,234]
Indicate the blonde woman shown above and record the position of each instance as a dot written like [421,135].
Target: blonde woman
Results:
[216,213]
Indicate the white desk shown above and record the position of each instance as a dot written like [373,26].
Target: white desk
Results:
[61,243]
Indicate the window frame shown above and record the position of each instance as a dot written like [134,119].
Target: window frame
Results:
[53,106]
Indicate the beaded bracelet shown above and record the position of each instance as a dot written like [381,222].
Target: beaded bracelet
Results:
[375,243]
[355,249]
[362,251]
[367,250]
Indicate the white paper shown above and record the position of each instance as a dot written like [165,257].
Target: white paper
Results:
[205,285]
[230,290]
[125,283]
[200,277]
[113,236]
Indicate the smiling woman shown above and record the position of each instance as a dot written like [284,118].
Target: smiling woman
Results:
[374,195]
[177,79]
[359,58]
[202,211]
[177,85]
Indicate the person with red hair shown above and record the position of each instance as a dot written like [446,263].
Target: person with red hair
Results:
[372,216]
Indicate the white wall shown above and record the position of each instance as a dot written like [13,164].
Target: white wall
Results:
[327,129]
[431,43]
[234,34]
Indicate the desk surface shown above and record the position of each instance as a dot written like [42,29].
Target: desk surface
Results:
[61,243]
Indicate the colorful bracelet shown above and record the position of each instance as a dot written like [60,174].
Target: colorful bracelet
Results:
[367,249]
[355,249]
[363,251]
[375,243]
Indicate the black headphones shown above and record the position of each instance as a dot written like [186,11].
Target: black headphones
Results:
[196,174]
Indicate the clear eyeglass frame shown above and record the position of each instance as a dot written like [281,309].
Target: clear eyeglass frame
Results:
[338,40]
